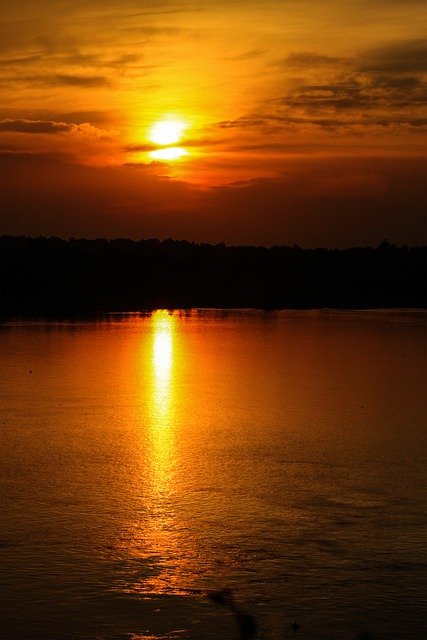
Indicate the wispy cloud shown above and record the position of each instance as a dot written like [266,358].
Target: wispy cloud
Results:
[382,87]
[81,143]
[400,57]
[357,93]
[306,59]
[248,55]
[60,80]
[78,81]
[34,126]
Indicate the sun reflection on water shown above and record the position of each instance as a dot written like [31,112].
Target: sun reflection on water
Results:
[162,368]
[162,401]
[155,538]
[160,553]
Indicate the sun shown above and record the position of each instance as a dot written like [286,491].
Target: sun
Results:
[167,131]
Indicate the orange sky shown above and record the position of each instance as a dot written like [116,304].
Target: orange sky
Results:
[304,119]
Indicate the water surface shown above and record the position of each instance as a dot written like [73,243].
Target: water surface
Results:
[151,458]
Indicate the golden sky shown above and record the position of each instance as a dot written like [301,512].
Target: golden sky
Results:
[300,120]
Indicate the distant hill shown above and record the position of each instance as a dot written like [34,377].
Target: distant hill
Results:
[55,277]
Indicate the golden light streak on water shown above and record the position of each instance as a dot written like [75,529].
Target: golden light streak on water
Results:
[160,530]
[154,536]
[162,401]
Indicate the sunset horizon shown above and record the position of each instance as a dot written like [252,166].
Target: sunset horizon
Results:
[259,122]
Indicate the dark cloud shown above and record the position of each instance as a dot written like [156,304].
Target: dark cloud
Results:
[399,82]
[280,122]
[98,61]
[284,120]
[344,95]
[77,81]
[244,121]
[21,60]
[378,80]
[305,59]
[71,56]
[202,142]
[382,87]
[34,126]
[144,147]
[401,57]
[95,116]
[59,80]
[80,117]
[249,55]
[357,93]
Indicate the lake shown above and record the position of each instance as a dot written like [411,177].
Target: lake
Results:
[150,459]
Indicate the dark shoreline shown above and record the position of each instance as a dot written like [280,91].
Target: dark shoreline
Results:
[217,312]
[56,278]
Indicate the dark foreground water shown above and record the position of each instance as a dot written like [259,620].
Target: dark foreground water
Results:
[150,459]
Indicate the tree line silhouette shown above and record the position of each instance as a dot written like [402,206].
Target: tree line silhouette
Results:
[51,276]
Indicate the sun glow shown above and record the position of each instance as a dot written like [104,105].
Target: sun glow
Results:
[167,132]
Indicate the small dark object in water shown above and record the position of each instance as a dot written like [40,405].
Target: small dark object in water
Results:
[295,626]
[221,597]
[245,622]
